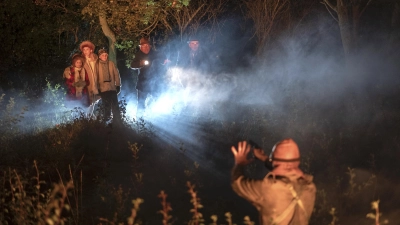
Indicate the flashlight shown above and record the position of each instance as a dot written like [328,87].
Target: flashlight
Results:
[146,62]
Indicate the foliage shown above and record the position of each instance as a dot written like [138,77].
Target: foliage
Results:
[54,95]
[376,215]
[28,201]
[126,21]
[166,208]
[31,201]
[36,36]
[10,116]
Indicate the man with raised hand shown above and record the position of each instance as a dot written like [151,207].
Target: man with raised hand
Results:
[286,195]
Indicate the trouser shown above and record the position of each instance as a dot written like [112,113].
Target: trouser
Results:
[141,105]
[110,104]
[92,101]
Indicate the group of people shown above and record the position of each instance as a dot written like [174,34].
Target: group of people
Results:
[92,77]
[285,196]
[151,65]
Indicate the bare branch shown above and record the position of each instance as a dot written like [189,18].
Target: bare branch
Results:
[365,7]
[328,3]
[264,14]
[188,19]
[327,8]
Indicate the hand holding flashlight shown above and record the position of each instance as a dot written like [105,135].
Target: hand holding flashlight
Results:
[144,62]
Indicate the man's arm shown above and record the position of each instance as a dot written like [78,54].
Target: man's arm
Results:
[247,188]
[259,154]
[135,64]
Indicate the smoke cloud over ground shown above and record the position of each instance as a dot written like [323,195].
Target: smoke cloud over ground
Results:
[300,72]
[308,69]
[302,86]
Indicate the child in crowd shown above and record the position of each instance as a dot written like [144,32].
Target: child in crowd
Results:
[109,86]
[90,58]
[76,80]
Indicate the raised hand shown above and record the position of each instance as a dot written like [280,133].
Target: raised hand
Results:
[241,153]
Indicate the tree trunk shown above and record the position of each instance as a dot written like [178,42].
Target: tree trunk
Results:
[346,27]
[112,51]
[349,15]
[395,34]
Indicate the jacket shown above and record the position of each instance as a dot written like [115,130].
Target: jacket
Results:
[76,80]
[107,83]
[199,60]
[89,64]
[279,200]
[149,74]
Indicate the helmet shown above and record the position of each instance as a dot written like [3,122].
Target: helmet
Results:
[285,151]
[285,157]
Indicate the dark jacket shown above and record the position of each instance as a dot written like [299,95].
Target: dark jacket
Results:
[279,200]
[199,60]
[148,74]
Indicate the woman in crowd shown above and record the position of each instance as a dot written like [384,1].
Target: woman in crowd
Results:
[77,81]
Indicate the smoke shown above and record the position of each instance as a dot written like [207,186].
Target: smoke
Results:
[301,78]
[302,85]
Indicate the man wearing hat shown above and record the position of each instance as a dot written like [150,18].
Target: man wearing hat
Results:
[193,56]
[286,195]
[148,64]
[87,49]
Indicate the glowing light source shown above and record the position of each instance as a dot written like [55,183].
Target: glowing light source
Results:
[163,105]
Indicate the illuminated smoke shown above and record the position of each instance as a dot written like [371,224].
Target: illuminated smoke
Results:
[298,81]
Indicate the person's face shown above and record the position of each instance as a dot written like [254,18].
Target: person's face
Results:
[78,63]
[87,51]
[194,45]
[103,56]
[145,48]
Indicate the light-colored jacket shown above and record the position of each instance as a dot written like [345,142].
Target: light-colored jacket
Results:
[279,200]
[89,66]
[115,79]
